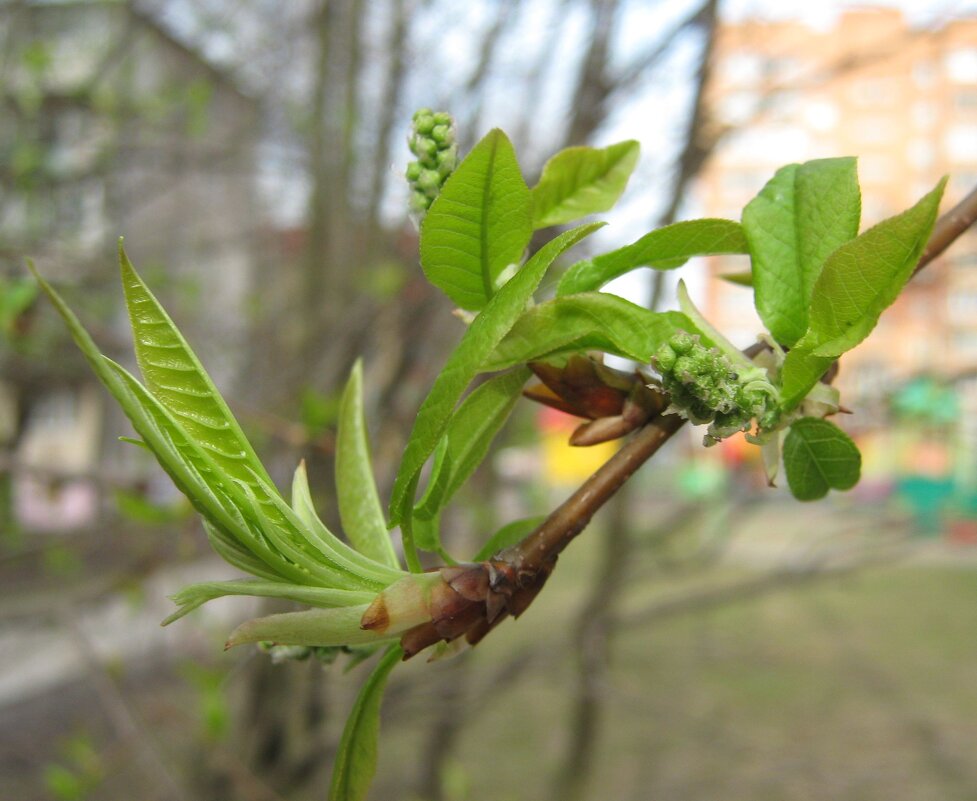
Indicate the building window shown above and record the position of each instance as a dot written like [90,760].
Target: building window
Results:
[742,69]
[961,65]
[784,69]
[962,305]
[743,182]
[770,144]
[961,142]
[737,108]
[876,169]
[961,182]
[924,74]
[821,115]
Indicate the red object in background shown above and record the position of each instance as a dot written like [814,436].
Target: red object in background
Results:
[553,421]
[962,532]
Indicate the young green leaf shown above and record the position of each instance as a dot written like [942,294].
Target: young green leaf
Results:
[248,518]
[427,533]
[356,757]
[191,468]
[338,626]
[189,598]
[800,372]
[819,456]
[858,282]
[180,384]
[481,338]
[582,180]
[468,437]
[479,224]
[359,502]
[175,377]
[509,534]
[588,321]
[862,278]
[664,249]
[804,213]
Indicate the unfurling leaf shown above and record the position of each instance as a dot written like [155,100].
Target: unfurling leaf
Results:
[339,626]
[582,180]
[359,502]
[819,456]
[664,249]
[356,757]
[466,361]
[588,321]
[862,278]
[858,282]
[468,437]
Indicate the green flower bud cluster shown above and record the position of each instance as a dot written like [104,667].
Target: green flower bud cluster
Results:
[705,387]
[432,141]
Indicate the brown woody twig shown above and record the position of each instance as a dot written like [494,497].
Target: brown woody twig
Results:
[478,597]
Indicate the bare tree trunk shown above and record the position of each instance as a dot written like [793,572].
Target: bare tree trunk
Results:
[393,84]
[593,84]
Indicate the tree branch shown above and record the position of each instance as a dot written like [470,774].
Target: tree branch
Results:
[484,594]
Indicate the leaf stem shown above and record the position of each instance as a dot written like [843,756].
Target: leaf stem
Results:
[531,560]
[573,515]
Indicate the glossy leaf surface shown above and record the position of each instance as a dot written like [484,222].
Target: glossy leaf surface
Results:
[819,456]
[588,321]
[359,502]
[803,214]
[664,248]
[582,180]
[479,224]
[465,362]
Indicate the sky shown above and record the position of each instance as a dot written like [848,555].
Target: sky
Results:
[822,13]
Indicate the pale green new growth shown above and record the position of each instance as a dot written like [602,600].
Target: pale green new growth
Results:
[818,286]
[663,249]
[480,223]
[465,362]
[356,757]
[800,217]
[359,503]
[582,180]
[588,321]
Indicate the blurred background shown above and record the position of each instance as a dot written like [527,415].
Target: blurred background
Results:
[708,636]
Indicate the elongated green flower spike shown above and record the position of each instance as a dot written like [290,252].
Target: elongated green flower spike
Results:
[432,141]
